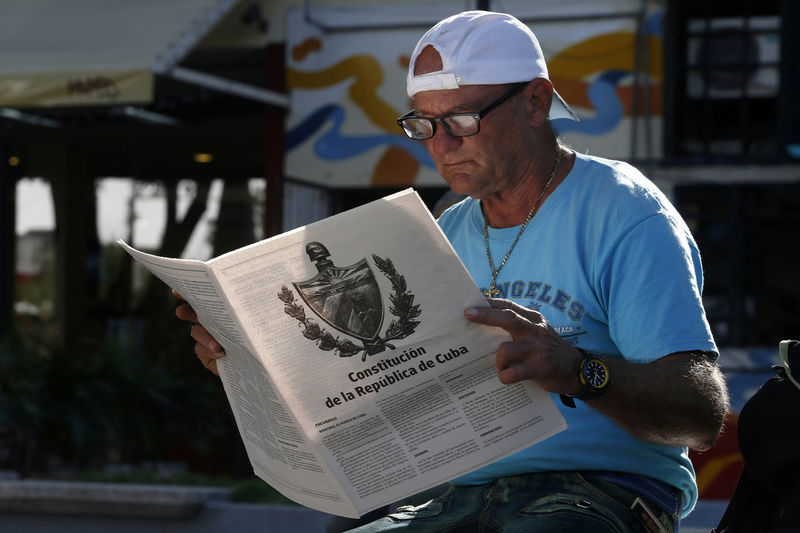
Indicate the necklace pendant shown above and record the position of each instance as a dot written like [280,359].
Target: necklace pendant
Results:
[491,292]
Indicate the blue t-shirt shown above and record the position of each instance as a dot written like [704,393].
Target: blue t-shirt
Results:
[614,269]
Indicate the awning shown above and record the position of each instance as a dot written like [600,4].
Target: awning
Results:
[104,52]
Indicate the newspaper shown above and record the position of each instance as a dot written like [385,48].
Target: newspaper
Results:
[354,379]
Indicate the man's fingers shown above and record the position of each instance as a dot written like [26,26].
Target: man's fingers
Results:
[512,374]
[528,314]
[207,356]
[512,318]
[506,363]
[501,303]
[207,349]
[500,317]
[207,346]
[185,312]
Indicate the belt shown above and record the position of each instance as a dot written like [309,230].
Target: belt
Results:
[662,494]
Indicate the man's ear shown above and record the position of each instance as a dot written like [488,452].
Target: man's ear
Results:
[539,94]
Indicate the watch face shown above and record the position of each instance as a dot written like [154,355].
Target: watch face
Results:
[595,373]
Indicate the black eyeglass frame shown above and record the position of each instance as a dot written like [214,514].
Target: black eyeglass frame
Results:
[477,116]
[789,350]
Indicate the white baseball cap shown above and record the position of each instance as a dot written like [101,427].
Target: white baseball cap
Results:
[482,47]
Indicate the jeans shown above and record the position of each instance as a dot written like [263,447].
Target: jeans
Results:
[548,502]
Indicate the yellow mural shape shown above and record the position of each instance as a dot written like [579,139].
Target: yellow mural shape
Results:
[368,76]
[610,51]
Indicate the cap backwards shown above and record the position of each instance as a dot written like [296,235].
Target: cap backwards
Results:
[481,47]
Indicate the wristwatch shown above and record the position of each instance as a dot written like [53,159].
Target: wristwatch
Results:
[594,377]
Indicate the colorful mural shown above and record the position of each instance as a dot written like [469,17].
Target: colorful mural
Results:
[401,158]
[348,87]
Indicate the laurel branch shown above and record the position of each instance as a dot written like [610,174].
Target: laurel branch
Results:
[402,302]
[402,307]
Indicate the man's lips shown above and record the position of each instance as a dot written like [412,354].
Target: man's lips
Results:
[456,166]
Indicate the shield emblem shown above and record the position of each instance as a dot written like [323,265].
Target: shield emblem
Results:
[347,298]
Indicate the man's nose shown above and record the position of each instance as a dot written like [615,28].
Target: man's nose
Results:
[442,142]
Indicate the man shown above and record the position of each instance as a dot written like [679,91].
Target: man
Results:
[595,277]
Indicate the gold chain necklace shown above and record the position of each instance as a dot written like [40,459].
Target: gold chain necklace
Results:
[493,291]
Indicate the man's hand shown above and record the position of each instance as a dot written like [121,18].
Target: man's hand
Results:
[206,347]
[536,352]
[679,399]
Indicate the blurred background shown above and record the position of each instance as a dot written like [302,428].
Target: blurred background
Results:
[190,128]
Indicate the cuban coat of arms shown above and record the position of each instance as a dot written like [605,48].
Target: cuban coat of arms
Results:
[349,300]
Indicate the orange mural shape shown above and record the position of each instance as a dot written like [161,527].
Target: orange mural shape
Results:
[312,44]
[396,168]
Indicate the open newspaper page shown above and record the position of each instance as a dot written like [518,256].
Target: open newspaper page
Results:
[277,449]
[358,321]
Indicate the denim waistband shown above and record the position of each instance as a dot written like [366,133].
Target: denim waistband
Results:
[662,494]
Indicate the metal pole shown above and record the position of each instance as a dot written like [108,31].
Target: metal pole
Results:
[7,239]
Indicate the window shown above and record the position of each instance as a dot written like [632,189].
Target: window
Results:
[747,235]
[725,61]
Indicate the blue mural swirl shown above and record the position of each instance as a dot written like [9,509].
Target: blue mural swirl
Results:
[603,96]
[333,146]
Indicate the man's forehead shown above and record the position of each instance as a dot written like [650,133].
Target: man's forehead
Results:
[442,101]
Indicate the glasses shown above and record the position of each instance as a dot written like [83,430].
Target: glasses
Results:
[790,357]
[456,125]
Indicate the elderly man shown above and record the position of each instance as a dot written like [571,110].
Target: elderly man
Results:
[595,277]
